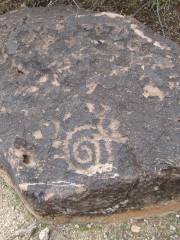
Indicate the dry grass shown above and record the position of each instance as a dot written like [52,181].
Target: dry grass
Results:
[161,15]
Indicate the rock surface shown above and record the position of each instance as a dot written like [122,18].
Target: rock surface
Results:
[89,111]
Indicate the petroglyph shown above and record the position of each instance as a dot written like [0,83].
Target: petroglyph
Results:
[89,148]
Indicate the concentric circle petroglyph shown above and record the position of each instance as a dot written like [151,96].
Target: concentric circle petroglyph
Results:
[84,147]
[89,148]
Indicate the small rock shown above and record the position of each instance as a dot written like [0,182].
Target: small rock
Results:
[172,228]
[135,229]
[44,234]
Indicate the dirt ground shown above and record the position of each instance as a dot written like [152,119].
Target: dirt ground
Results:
[16,223]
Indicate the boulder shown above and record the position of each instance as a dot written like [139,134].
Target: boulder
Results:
[89,111]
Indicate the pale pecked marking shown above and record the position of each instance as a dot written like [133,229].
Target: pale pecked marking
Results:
[159,45]
[37,134]
[91,87]
[138,32]
[151,91]
[67,115]
[109,14]
[90,107]
[43,79]
[32,89]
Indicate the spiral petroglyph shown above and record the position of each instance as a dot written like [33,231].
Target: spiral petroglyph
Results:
[89,148]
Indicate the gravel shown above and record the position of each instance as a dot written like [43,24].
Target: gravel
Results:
[16,223]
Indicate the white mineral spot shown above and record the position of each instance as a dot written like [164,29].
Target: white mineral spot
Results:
[37,134]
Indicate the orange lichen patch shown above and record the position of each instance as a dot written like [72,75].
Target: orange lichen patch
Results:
[90,107]
[67,116]
[43,79]
[59,24]
[151,91]
[91,87]
[140,33]
[37,134]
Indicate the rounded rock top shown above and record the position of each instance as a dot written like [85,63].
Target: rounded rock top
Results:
[89,111]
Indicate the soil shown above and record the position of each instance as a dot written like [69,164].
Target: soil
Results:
[15,222]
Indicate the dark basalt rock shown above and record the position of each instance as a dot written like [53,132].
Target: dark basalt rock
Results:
[89,111]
